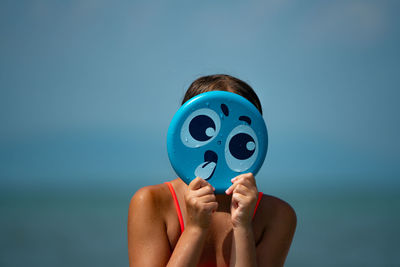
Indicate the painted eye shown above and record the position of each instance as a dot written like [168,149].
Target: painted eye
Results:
[241,148]
[200,127]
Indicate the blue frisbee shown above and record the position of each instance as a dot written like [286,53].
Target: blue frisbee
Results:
[216,136]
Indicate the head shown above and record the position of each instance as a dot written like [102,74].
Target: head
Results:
[222,82]
[217,135]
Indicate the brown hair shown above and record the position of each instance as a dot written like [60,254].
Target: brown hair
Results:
[222,82]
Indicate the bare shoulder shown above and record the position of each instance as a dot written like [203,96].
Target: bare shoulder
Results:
[147,227]
[277,211]
[149,197]
[278,222]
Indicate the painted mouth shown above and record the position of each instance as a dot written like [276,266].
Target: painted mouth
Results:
[206,169]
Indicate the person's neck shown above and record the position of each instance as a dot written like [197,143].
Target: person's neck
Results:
[224,202]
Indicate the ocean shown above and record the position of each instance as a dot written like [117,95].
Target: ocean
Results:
[87,227]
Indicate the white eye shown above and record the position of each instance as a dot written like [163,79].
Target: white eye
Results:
[200,127]
[241,148]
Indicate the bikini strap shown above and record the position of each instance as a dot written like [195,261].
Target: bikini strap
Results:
[260,194]
[177,207]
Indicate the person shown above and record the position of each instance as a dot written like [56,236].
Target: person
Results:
[175,224]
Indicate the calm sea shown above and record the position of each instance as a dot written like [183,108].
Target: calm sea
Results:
[87,227]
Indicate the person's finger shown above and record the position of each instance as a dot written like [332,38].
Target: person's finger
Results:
[242,189]
[238,197]
[207,199]
[248,175]
[230,189]
[197,183]
[244,195]
[248,181]
[245,177]
[208,189]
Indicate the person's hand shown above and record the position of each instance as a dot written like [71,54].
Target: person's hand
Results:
[200,203]
[244,199]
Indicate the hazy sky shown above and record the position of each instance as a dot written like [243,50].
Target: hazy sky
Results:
[88,88]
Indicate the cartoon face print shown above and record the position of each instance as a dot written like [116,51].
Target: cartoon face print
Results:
[216,136]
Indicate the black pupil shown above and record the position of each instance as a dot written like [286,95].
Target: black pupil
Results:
[198,126]
[238,148]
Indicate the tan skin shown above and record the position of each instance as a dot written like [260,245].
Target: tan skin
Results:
[219,229]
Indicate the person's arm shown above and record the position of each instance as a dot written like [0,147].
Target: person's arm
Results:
[200,203]
[275,242]
[147,237]
[147,234]
[274,245]
[244,198]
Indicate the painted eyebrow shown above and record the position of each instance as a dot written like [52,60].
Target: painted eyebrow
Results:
[245,119]
[225,109]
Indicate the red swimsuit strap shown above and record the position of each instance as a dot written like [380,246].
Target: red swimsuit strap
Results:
[260,194]
[177,207]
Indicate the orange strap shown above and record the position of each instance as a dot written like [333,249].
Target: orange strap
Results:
[260,194]
[177,207]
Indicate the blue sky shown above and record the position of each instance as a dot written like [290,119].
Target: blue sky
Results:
[88,88]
